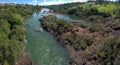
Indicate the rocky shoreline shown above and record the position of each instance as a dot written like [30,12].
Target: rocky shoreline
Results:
[75,57]
[85,45]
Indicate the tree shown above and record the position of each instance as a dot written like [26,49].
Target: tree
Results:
[12,32]
[15,19]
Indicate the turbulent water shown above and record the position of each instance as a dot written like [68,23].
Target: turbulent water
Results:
[42,47]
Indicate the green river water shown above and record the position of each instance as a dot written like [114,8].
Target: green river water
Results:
[42,47]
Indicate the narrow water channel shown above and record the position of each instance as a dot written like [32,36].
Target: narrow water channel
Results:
[42,47]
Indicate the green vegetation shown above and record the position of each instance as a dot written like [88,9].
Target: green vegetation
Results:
[109,50]
[12,32]
[60,27]
[99,14]
[79,42]
[57,25]
[106,52]
[94,27]
[62,8]
[89,9]
[101,44]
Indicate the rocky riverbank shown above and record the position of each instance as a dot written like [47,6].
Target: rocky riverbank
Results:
[84,47]
[77,57]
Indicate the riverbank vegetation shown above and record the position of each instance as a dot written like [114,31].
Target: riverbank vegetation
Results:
[100,14]
[63,7]
[12,32]
[103,47]
[94,43]
[89,10]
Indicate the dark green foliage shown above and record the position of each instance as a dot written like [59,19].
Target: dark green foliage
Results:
[106,9]
[59,25]
[15,19]
[95,27]
[90,9]
[78,42]
[94,18]
[109,50]
[117,11]
[104,17]
[12,32]
[62,8]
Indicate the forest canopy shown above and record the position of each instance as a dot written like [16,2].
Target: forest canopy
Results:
[12,32]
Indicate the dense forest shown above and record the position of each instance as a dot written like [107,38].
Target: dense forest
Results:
[12,31]
[94,43]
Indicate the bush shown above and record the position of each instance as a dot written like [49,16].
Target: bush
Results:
[53,23]
[78,42]
[109,50]
[94,18]
[15,19]
[95,27]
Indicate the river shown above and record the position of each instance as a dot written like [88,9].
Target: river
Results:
[42,47]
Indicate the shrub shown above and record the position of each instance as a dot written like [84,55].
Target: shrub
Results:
[95,27]
[94,18]
[109,50]
[78,42]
